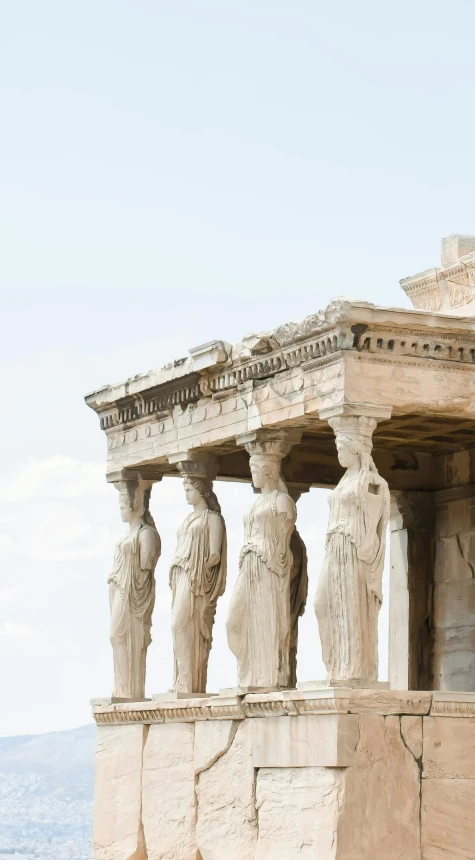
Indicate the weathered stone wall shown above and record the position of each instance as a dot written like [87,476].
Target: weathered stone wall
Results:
[399,780]
[453,617]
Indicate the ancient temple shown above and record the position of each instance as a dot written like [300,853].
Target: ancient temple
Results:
[348,769]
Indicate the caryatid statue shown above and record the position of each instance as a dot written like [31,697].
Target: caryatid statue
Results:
[258,624]
[298,587]
[132,588]
[197,577]
[349,592]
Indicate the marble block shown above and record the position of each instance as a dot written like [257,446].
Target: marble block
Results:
[454,604]
[212,739]
[175,696]
[454,658]
[168,792]
[387,702]
[380,813]
[449,748]
[225,791]
[448,822]
[113,700]
[117,830]
[354,684]
[326,740]
[298,813]
[411,732]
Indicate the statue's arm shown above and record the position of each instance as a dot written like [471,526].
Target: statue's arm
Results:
[371,549]
[216,534]
[286,513]
[150,548]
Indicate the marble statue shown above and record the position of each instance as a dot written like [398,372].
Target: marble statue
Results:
[349,592]
[132,590]
[298,591]
[258,624]
[197,579]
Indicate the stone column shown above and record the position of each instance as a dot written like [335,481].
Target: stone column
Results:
[453,618]
[412,551]
[349,592]
[132,583]
[197,573]
[298,581]
[258,624]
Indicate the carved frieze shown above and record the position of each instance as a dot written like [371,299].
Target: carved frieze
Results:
[152,401]
[455,704]
[449,287]
[281,378]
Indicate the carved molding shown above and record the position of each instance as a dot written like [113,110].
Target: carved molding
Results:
[272,708]
[363,417]
[344,329]
[446,704]
[290,703]
[277,443]
[253,706]
[196,464]
[426,296]
[456,280]
[149,402]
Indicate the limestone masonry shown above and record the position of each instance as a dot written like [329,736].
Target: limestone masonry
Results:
[379,404]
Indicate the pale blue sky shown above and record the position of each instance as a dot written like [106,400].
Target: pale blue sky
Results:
[170,173]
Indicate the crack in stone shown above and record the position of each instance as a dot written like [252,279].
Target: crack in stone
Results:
[418,762]
[234,728]
[464,555]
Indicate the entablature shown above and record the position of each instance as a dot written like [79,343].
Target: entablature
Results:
[420,365]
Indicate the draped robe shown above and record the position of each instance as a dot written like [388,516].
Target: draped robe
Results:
[259,613]
[195,592]
[349,593]
[132,598]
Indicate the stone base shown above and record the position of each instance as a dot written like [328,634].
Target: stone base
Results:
[331,774]
[174,696]
[354,684]
[243,691]
[113,700]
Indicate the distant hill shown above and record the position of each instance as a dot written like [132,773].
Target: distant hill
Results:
[46,789]
[8,743]
[51,753]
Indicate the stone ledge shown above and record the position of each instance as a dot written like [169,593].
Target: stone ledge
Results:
[452,704]
[179,711]
[390,702]
[288,703]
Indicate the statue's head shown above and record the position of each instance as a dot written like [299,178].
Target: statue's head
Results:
[265,469]
[197,489]
[132,501]
[349,450]
[353,436]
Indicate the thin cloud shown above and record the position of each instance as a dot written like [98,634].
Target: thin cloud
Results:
[6,543]
[13,630]
[10,594]
[54,477]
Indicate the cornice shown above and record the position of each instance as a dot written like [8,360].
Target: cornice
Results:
[289,703]
[456,282]
[447,704]
[383,334]
[161,398]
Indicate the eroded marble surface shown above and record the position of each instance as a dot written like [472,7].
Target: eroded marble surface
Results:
[192,783]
